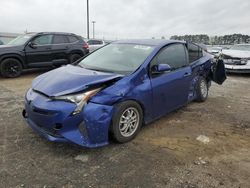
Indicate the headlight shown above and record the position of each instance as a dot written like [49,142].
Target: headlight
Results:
[79,99]
[243,61]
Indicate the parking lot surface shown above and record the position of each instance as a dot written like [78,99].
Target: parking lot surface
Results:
[165,154]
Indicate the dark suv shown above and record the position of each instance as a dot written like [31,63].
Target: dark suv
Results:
[34,50]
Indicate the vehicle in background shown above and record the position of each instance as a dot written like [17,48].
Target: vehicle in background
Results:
[108,41]
[118,88]
[216,50]
[35,50]
[237,58]
[1,43]
[202,46]
[94,44]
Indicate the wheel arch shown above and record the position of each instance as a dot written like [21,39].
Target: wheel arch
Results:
[110,132]
[79,52]
[14,56]
[136,101]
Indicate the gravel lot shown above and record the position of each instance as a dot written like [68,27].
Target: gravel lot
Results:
[165,154]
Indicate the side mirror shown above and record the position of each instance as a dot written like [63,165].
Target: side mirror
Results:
[32,45]
[156,69]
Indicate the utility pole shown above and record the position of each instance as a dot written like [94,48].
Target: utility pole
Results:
[87,19]
[93,22]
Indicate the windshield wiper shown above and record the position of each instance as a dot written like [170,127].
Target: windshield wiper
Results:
[79,65]
[99,70]
[95,69]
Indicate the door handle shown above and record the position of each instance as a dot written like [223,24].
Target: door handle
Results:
[48,48]
[187,74]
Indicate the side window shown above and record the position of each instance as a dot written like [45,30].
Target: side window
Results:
[99,42]
[43,40]
[195,52]
[95,42]
[173,55]
[90,42]
[60,39]
[72,39]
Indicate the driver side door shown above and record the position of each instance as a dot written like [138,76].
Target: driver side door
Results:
[171,88]
[38,51]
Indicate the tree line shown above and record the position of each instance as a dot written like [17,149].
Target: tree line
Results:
[215,40]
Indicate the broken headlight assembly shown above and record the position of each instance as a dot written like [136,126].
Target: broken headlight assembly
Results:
[79,99]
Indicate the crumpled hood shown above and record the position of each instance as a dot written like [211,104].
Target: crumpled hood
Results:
[237,54]
[70,79]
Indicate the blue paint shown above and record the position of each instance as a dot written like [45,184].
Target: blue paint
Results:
[156,95]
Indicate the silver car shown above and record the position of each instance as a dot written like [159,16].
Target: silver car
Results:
[94,44]
[237,58]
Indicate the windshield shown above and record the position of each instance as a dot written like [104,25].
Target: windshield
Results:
[20,40]
[117,58]
[241,47]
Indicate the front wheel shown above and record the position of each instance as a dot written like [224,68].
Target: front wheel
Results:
[201,90]
[11,68]
[127,121]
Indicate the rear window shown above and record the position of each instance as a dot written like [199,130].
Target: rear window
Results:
[194,52]
[72,39]
[60,39]
[95,42]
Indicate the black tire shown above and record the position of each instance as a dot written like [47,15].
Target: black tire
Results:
[74,57]
[11,68]
[201,90]
[123,109]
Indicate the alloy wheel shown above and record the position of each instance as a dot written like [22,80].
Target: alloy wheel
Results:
[129,122]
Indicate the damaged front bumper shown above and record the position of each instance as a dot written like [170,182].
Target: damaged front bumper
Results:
[54,121]
[234,68]
[236,64]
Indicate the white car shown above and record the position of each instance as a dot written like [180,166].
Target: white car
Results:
[237,58]
[216,50]
[94,44]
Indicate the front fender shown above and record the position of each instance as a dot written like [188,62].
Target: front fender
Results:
[134,87]
[20,56]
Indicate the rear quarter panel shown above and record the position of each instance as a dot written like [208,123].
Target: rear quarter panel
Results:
[200,68]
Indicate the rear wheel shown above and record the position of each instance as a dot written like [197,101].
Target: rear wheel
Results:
[11,68]
[74,58]
[127,121]
[202,90]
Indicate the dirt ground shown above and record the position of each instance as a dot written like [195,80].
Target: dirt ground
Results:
[165,154]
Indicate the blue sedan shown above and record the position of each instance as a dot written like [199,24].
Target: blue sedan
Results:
[113,91]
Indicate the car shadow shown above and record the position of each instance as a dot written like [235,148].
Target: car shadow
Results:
[238,75]
[34,71]
[30,73]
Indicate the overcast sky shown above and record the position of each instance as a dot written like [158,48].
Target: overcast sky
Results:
[127,18]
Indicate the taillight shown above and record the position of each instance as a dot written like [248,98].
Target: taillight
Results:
[86,46]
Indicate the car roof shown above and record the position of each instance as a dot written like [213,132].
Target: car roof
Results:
[58,33]
[95,39]
[148,42]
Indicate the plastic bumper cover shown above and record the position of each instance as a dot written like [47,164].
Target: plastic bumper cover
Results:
[53,121]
